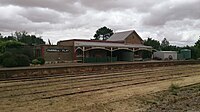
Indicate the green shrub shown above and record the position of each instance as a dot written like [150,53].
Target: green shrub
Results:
[12,44]
[5,55]
[9,62]
[41,60]
[26,50]
[8,59]
[173,88]
[1,58]
[35,61]
[22,60]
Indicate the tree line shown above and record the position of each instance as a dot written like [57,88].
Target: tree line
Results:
[19,39]
[166,46]
[22,37]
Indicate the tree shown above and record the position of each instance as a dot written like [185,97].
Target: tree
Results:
[165,46]
[154,43]
[103,33]
[9,44]
[196,50]
[6,38]
[197,44]
[164,43]
[1,36]
[171,48]
[12,44]
[24,37]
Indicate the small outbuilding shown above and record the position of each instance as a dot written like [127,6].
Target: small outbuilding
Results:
[185,54]
[165,55]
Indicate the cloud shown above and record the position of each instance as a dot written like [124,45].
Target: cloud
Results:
[105,5]
[43,15]
[179,32]
[7,14]
[15,18]
[176,20]
[71,6]
[170,11]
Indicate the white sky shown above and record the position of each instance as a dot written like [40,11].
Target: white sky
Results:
[176,20]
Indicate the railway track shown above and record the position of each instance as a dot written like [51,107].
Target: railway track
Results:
[83,79]
[57,76]
[52,71]
[87,86]
[65,77]
[51,88]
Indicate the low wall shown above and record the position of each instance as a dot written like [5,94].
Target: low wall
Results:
[31,72]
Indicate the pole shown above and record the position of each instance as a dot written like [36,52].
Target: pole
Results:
[83,54]
[111,55]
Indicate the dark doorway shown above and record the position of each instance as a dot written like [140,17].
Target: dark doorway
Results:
[143,54]
[123,55]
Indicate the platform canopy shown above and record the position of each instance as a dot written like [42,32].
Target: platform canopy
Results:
[109,44]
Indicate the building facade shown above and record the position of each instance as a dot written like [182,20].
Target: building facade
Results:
[122,46]
[53,53]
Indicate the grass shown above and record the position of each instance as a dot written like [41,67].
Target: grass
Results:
[147,100]
[174,88]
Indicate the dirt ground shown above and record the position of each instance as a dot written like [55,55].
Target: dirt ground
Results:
[175,99]
[136,98]
[140,99]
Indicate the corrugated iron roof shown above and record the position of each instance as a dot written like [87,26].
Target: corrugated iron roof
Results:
[106,44]
[120,36]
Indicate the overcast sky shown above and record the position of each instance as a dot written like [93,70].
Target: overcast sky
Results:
[176,20]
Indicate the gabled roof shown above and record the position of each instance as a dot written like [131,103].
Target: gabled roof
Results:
[121,36]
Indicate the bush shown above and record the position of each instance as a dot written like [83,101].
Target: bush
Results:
[173,88]
[35,61]
[9,62]
[12,44]
[8,59]
[1,58]
[25,50]
[41,60]
[5,55]
[22,60]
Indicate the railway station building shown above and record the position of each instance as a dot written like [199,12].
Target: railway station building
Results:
[122,46]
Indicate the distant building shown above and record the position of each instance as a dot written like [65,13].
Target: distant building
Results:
[165,55]
[122,46]
[185,54]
